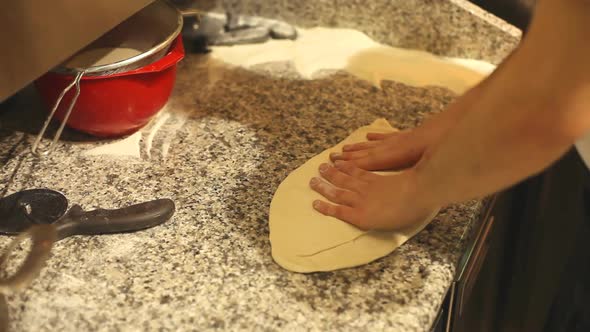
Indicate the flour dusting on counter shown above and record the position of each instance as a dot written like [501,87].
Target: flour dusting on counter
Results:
[127,147]
[315,51]
[162,117]
[130,146]
[319,49]
[234,135]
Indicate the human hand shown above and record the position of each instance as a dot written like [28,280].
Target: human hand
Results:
[403,149]
[397,150]
[371,201]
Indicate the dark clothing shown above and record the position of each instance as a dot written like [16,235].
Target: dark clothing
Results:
[570,308]
[548,287]
[546,269]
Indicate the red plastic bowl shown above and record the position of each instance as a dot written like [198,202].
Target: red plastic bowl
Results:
[118,104]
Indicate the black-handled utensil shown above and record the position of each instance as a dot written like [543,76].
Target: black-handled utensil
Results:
[102,221]
[41,215]
[24,209]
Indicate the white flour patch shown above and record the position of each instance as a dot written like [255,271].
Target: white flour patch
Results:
[319,49]
[127,147]
[162,118]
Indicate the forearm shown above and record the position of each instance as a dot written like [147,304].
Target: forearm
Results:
[527,116]
[487,151]
[438,124]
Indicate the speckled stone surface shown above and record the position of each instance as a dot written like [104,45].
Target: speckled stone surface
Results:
[234,135]
[446,27]
[231,138]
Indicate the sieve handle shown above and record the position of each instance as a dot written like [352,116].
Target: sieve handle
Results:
[42,238]
[35,148]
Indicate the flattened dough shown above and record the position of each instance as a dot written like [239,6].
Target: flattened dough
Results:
[304,240]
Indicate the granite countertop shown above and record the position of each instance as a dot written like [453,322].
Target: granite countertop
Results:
[231,137]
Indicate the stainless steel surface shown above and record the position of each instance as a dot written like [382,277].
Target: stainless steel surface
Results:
[35,147]
[474,266]
[151,31]
[475,241]
[191,12]
[451,312]
[470,263]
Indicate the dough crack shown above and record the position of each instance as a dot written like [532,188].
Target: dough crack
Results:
[332,247]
